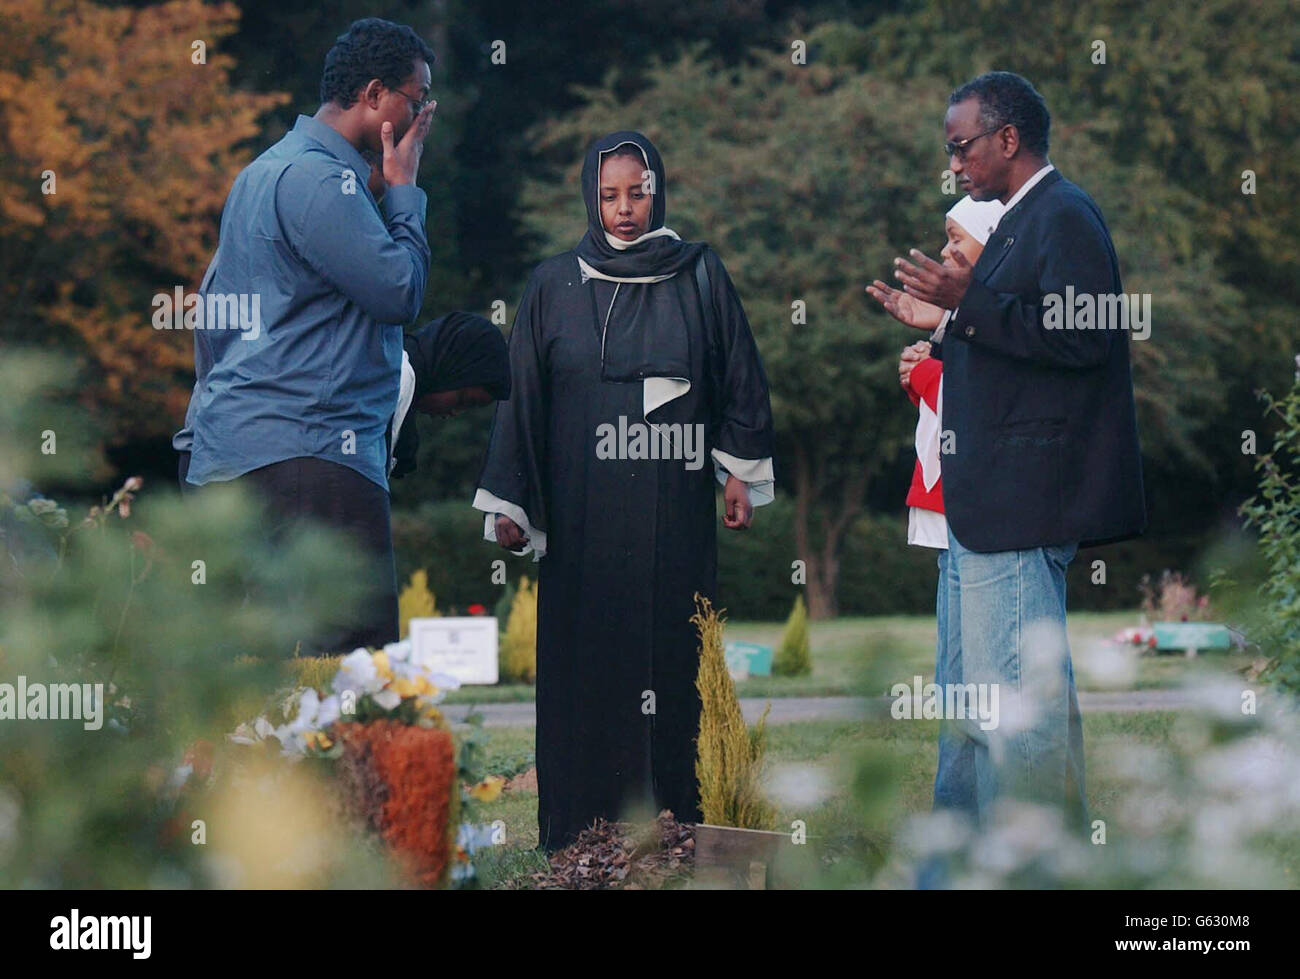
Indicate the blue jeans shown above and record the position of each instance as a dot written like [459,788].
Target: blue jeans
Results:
[954,780]
[1001,619]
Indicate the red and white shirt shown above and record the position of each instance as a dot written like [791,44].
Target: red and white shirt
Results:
[926,524]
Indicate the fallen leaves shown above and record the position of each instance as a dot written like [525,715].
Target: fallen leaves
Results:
[622,856]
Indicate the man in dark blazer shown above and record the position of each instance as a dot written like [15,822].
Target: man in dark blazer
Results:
[1039,416]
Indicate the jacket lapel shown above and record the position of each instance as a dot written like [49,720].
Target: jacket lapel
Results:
[999,245]
[1004,236]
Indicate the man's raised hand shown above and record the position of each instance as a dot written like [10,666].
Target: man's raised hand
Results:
[931,282]
[402,161]
[908,310]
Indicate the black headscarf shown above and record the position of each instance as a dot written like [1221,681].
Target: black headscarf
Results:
[646,333]
[459,350]
[663,255]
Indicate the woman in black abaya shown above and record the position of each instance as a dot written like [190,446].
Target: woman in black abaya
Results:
[632,328]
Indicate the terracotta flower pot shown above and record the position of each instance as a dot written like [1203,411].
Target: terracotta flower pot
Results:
[399,779]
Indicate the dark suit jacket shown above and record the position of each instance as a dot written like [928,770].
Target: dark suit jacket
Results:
[1044,443]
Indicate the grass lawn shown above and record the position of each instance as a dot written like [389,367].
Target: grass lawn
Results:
[861,803]
[864,656]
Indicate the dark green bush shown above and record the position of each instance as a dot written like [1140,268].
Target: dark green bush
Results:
[879,573]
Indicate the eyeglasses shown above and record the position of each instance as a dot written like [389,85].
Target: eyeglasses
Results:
[418,103]
[958,149]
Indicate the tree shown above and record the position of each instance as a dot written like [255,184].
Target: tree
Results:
[416,601]
[800,179]
[810,179]
[794,655]
[1161,114]
[1274,512]
[519,644]
[117,150]
[729,760]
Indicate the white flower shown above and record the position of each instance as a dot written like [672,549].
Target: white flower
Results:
[422,661]
[328,712]
[940,831]
[291,742]
[308,705]
[444,681]
[472,838]
[798,786]
[358,672]
[293,735]
[259,730]
[179,776]
[1107,664]
[405,670]
[387,699]
[441,682]
[398,652]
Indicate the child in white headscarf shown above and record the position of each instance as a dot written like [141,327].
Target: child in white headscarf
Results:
[967,227]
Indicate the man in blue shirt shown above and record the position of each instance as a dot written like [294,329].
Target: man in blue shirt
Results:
[294,395]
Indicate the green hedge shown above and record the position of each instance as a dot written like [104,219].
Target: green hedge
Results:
[879,573]
[446,539]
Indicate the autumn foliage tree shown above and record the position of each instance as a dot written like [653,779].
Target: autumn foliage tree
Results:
[120,135]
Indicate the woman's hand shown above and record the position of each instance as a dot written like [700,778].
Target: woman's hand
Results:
[509,534]
[738,511]
[908,310]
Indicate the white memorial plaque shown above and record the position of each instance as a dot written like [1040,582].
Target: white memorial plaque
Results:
[465,648]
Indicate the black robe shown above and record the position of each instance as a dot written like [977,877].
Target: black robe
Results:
[629,541]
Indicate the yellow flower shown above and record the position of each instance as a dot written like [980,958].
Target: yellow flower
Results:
[489,789]
[414,686]
[380,660]
[318,739]
[405,687]
[430,716]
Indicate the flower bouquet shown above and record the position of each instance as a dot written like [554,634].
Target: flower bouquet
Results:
[395,755]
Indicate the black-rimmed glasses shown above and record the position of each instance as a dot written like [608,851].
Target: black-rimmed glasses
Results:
[958,149]
[418,103]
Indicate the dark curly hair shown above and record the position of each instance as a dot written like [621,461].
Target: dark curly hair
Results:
[370,48]
[1007,99]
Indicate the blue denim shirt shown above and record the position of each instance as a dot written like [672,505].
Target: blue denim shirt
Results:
[334,281]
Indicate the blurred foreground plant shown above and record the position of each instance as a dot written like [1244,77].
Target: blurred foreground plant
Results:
[1216,804]
[184,613]
[1275,513]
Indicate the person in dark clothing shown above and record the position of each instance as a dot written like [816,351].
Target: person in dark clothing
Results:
[1045,456]
[635,383]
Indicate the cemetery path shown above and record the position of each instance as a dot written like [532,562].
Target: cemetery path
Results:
[793,710]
